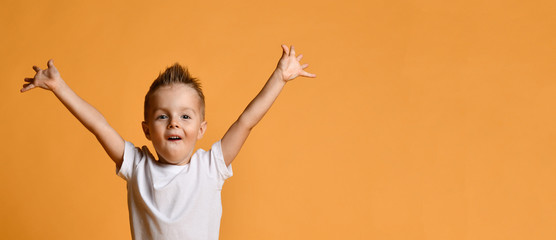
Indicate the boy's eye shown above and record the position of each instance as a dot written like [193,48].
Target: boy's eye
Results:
[185,117]
[162,117]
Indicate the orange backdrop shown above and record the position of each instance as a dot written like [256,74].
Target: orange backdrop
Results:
[428,119]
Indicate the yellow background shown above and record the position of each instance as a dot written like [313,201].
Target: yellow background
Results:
[428,119]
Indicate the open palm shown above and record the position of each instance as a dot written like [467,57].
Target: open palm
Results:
[44,78]
[289,65]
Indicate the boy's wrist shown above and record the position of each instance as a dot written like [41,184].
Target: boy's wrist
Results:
[57,85]
[279,76]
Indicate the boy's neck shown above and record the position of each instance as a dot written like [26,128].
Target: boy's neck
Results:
[181,163]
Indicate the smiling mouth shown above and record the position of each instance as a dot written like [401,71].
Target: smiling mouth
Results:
[174,138]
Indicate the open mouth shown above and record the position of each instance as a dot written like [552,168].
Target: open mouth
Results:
[174,138]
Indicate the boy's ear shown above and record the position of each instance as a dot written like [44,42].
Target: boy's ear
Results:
[146,130]
[202,130]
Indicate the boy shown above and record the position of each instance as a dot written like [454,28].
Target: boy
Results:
[178,195]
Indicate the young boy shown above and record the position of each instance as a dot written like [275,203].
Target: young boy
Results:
[178,195]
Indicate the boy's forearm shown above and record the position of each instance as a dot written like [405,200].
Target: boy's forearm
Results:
[82,110]
[260,105]
[92,119]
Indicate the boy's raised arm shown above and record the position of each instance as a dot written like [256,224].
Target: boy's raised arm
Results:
[92,119]
[288,69]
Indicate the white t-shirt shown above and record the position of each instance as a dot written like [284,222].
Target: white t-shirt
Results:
[174,202]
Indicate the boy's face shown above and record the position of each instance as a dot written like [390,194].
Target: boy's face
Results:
[174,123]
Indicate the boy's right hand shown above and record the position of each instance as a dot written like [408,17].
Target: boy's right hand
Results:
[47,79]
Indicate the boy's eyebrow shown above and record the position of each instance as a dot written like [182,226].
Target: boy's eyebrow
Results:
[182,109]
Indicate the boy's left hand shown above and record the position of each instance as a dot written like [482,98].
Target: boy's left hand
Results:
[47,79]
[289,66]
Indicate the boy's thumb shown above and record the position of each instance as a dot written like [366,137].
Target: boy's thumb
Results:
[285,50]
[50,63]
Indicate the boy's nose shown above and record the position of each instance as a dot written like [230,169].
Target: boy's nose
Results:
[173,124]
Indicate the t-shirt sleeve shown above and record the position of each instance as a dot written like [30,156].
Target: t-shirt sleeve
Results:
[132,156]
[217,158]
